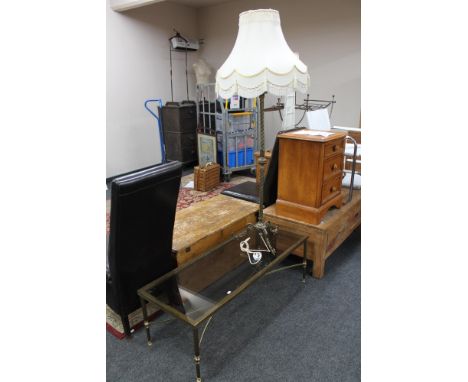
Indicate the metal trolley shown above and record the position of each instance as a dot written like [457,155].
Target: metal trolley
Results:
[235,128]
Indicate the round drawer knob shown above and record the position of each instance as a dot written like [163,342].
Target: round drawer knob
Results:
[333,189]
[335,166]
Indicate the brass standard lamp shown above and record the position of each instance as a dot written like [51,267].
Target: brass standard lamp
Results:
[261,61]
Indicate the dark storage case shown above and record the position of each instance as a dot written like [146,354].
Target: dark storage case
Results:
[179,122]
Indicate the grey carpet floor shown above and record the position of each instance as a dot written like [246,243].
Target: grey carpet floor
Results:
[277,330]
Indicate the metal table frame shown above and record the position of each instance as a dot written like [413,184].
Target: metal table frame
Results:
[146,297]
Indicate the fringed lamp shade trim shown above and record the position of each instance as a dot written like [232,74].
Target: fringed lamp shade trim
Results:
[261,60]
[249,87]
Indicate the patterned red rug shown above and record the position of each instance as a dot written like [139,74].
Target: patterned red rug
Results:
[187,197]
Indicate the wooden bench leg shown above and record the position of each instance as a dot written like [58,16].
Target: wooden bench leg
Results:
[317,255]
[318,269]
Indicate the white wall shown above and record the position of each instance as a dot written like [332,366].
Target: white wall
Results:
[137,70]
[326,34]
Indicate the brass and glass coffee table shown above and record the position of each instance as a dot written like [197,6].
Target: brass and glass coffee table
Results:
[195,291]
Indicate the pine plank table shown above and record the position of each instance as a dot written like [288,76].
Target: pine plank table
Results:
[326,237]
[206,224]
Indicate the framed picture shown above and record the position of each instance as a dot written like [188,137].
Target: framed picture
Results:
[206,149]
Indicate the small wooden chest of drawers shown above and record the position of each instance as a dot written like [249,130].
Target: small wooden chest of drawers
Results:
[309,174]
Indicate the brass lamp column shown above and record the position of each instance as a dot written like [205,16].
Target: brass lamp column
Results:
[263,228]
[261,159]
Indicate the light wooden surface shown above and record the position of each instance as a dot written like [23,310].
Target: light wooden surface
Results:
[206,224]
[326,237]
[309,175]
[313,138]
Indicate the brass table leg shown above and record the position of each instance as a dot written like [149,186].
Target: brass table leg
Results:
[304,262]
[196,344]
[146,322]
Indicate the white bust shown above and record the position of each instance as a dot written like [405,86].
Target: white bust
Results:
[202,71]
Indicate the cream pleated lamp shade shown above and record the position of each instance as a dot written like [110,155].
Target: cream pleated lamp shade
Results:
[261,60]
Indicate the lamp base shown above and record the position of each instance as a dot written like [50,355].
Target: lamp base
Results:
[265,231]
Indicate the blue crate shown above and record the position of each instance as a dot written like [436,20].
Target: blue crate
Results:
[232,159]
[240,158]
[250,158]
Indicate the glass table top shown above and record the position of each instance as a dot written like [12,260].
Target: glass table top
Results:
[196,290]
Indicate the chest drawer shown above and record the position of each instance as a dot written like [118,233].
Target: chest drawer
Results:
[331,188]
[334,147]
[332,166]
